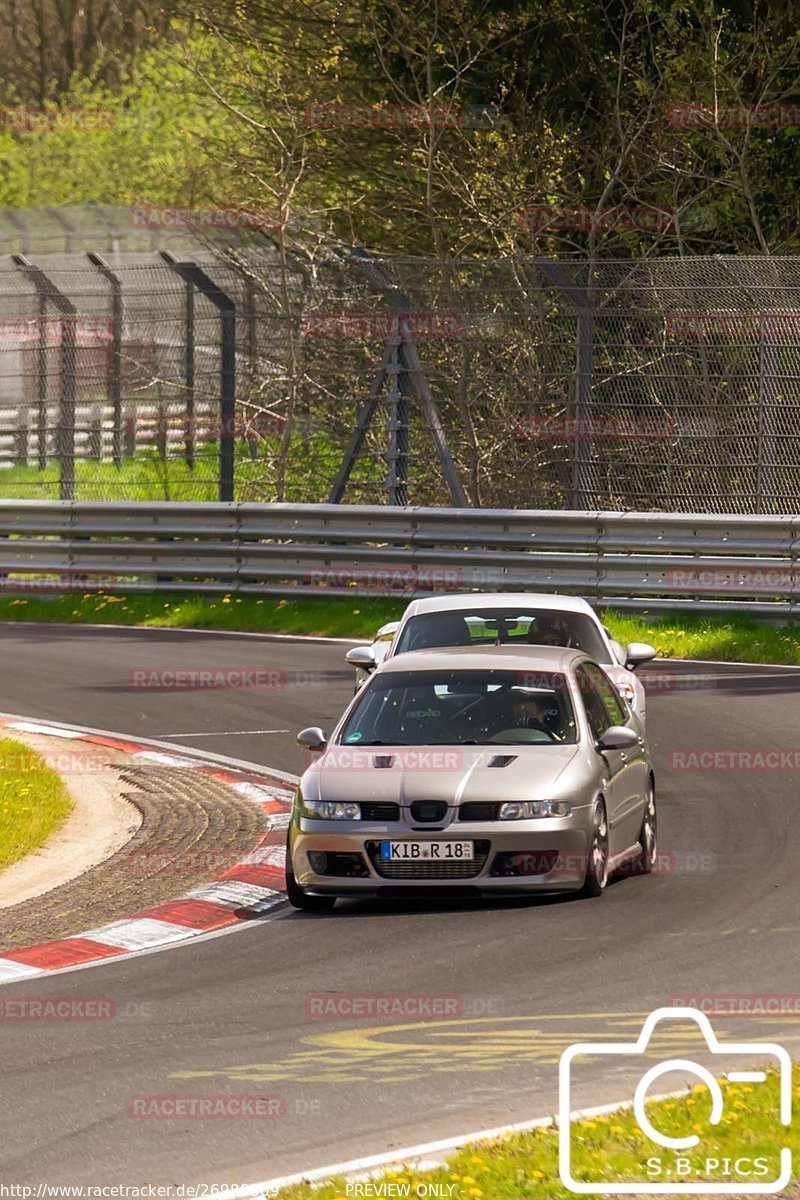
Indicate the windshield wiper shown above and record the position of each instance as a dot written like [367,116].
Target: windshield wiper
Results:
[377,742]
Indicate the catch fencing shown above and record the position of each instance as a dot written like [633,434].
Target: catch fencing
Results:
[252,372]
[624,560]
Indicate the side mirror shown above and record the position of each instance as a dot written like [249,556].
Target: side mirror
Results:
[618,737]
[361,656]
[313,738]
[638,653]
[387,631]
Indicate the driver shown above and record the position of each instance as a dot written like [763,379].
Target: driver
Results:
[550,630]
[529,712]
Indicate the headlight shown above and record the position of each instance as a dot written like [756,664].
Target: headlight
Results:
[628,692]
[525,810]
[327,810]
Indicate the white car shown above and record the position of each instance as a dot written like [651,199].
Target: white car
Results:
[513,618]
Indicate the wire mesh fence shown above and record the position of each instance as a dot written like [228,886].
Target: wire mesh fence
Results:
[251,372]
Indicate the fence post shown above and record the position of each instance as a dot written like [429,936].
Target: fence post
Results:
[194,275]
[408,363]
[41,381]
[65,434]
[398,427]
[188,367]
[115,381]
[584,372]
[580,298]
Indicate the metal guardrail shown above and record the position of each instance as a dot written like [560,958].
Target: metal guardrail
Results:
[625,560]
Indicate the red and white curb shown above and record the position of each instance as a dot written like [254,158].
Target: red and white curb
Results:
[250,887]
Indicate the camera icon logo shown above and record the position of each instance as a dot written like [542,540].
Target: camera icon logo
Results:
[671,1173]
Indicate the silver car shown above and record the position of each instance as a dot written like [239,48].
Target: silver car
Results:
[491,769]
[507,618]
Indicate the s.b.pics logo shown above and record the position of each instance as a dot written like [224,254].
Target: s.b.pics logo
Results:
[679,1160]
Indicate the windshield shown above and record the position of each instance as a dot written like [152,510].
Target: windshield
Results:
[504,626]
[447,707]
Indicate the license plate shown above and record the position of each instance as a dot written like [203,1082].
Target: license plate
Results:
[426,851]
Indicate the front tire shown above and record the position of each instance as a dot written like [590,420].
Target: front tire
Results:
[300,899]
[648,836]
[597,869]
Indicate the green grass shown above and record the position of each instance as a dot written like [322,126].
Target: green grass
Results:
[677,636]
[331,616]
[33,801]
[605,1148]
[311,466]
[137,479]
[728,639]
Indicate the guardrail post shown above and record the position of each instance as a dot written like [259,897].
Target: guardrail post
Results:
[115,380]
[192,274]
[65,434]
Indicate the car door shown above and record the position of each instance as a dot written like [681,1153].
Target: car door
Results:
[633,763]
[615,763]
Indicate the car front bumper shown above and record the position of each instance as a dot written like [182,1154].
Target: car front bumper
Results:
[545,855]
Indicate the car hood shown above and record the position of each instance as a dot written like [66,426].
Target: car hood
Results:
[451,773]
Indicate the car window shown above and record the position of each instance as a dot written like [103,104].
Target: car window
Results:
[615,708]
[596,713]
[504,626]
[462,707]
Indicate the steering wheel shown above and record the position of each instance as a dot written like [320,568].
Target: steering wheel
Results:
[516,736]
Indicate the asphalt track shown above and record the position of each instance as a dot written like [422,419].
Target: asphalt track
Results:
[229,1015]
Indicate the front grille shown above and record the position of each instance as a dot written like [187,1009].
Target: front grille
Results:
[479,810]
[380,811]
[464,868]
[433,811]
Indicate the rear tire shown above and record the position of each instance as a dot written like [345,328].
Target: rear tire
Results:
[597,869]
[648,836]
[300,899]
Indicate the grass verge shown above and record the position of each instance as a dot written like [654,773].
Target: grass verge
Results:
[605,1148]
[33,801]
[681,635]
